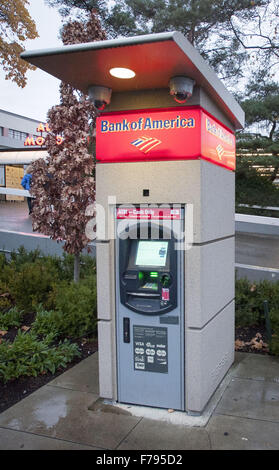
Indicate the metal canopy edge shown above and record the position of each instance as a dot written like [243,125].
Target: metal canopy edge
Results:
[158,57]
[97,45]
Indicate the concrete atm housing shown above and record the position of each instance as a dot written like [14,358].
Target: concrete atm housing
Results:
[205,191]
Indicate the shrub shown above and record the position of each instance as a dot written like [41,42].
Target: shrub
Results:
[32,284]
[249,310]
[249,298]
[10,319]
[246,312]
[29,356]
[46,322]
[274,321]
[75,310]
[87,267]
[3,261]
[77,306]
[22,256]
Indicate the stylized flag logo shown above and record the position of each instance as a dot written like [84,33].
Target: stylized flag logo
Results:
[220,151]
[145,144]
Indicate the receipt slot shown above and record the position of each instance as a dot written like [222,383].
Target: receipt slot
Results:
[149,311]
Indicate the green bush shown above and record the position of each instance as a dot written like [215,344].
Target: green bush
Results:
[249,298]
[5,299]
[10,319]
[246,306]
[274,321]
[75,310]
[31,284]
[22,256]
[3,261]
[29,356]
[87,267]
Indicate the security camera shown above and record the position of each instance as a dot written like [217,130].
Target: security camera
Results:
[100,95]
[181,88]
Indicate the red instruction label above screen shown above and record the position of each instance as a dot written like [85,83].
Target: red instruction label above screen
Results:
[168,134]
[148,213]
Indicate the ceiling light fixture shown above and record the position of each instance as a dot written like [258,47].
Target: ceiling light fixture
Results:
[121,72]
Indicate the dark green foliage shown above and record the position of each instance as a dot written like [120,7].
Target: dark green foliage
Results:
[30,279]
[29,356]
[249,299]
[22,256]
[246,312]
[252,187]
[274,320]
[75,310]
[11,318]
[249,306]
[65,309]
[258,145]
[31,284]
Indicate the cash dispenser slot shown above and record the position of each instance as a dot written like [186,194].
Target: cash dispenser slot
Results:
[148,279]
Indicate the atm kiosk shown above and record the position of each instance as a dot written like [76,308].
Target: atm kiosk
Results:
[149,311]
[165,316]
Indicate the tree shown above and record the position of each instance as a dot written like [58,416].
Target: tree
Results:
[210,25]
[16,26]
[261,135]
[258,144]
[260,37]
[64,185]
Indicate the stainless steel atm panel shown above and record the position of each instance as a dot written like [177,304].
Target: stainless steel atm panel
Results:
[150,313]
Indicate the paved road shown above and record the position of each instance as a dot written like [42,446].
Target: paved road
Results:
[14,216]
[16,230]
[257,250]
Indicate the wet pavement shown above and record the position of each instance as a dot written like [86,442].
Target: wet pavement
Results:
[14,217]
[68,414]
[16,230]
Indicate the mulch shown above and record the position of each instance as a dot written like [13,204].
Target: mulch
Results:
[248,339]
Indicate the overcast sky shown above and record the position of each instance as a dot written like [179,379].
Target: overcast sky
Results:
[41,91]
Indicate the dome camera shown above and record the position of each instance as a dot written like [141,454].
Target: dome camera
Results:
[181,88]
[100,96]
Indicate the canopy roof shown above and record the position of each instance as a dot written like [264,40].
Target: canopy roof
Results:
[155,58]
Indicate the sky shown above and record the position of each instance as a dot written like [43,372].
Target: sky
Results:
[42,89]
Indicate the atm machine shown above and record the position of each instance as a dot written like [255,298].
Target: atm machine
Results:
[166,136]
[149,311]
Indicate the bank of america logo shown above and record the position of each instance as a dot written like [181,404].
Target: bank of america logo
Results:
[145,144]
[220,151]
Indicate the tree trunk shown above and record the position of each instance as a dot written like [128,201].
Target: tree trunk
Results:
[76,267]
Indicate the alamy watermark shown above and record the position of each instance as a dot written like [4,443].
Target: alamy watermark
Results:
[141,221]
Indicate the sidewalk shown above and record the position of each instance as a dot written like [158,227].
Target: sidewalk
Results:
[244,415]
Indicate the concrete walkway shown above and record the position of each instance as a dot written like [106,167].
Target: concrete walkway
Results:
[68,414]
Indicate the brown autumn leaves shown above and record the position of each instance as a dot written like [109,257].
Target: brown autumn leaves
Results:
[64,185]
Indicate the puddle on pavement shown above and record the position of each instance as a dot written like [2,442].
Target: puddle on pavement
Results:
[51,411]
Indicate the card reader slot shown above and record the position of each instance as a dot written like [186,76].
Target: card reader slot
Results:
[144,294]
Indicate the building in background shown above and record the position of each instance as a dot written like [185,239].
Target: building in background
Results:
[19,136]
[15,129]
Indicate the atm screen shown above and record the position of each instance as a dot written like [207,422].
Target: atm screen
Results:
[152,253]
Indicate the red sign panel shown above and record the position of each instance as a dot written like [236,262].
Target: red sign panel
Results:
[148,213]
[169,134]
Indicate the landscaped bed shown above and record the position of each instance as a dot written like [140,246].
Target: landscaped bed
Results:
[48,322]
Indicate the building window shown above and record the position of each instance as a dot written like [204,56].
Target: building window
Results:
[18,135]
